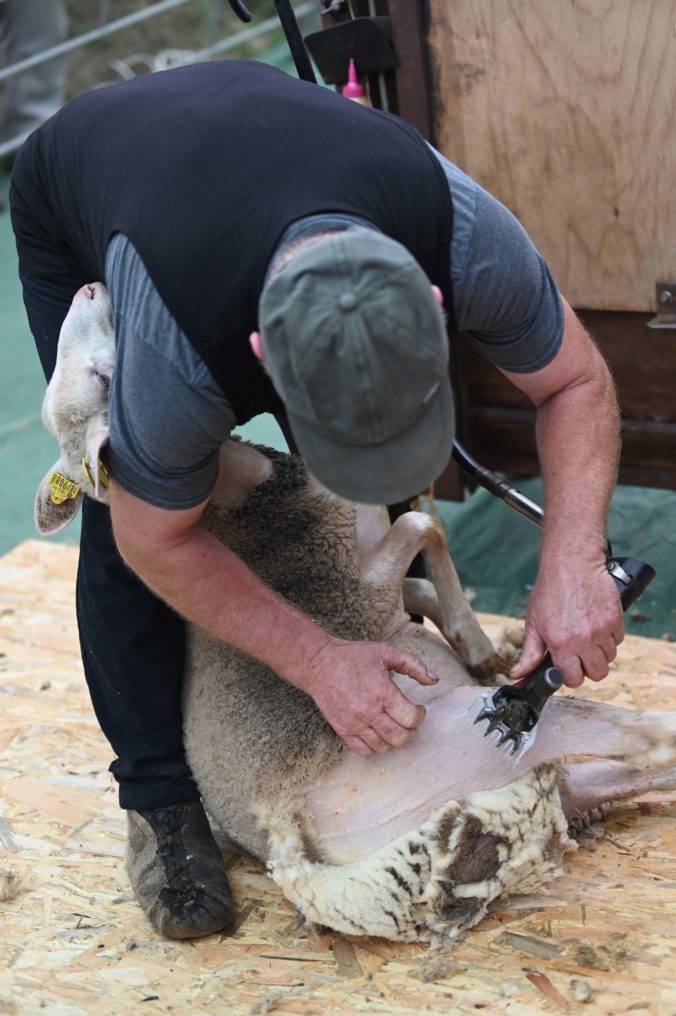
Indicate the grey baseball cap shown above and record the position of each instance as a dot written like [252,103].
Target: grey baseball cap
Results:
[356,347]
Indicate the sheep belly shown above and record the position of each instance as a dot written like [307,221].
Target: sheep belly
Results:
[377,869]
[359,805]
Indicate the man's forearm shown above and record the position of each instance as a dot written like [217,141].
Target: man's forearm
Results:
[578,443]
[578,482]
[209,585]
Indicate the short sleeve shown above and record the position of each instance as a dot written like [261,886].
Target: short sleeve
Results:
[507,300]
[168,418]
[504,295]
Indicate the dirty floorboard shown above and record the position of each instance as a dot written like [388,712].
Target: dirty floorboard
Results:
[600,939]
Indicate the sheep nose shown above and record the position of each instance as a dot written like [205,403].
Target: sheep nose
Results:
[87,291]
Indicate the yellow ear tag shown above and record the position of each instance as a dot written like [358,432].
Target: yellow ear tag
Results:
[62,488]
[103,473]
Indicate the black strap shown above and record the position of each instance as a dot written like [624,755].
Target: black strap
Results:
[295,41]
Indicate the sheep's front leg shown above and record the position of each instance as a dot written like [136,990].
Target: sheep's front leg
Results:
[444,602]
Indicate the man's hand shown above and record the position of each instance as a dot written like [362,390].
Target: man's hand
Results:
[353,690]
[578,618]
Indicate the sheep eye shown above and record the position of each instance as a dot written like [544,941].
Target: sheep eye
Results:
[102,380]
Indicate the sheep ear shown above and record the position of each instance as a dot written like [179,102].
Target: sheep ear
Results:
[57,501]
[97,439]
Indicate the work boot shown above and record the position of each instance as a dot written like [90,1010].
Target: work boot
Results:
[177,871]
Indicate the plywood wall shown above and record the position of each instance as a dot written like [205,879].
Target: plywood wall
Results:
[566,111]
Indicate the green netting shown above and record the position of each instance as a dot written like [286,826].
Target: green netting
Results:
[496,551]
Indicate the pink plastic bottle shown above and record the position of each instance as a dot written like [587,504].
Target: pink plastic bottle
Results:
[354,89]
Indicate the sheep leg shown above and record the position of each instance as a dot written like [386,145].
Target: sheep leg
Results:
[386,566]
[586,785]
[420,597]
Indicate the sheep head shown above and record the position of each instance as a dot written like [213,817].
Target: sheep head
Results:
[75,410]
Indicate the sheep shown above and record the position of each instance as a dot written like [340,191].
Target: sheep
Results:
[412,845]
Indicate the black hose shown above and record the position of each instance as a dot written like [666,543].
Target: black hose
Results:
[495,485]
[295,40]
[240,10]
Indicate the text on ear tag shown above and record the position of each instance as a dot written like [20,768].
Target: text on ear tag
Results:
[62,488]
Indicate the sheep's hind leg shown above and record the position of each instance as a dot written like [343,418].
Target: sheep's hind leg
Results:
[444,600]
[587,785]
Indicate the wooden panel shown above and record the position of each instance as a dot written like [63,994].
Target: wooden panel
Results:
[566,111]
[499,420]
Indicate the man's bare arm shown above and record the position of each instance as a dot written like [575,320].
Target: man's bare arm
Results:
[574,610]
[207,583]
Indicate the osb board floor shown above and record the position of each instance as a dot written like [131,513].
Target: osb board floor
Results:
[601,940]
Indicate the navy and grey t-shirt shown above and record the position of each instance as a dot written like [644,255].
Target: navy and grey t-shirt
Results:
[178,188]
[165,451]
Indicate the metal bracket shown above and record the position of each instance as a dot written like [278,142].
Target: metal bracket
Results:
[666,306]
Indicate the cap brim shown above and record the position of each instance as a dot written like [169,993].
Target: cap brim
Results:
[385,473]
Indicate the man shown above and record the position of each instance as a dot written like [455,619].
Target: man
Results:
[28,27]
[238,214]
